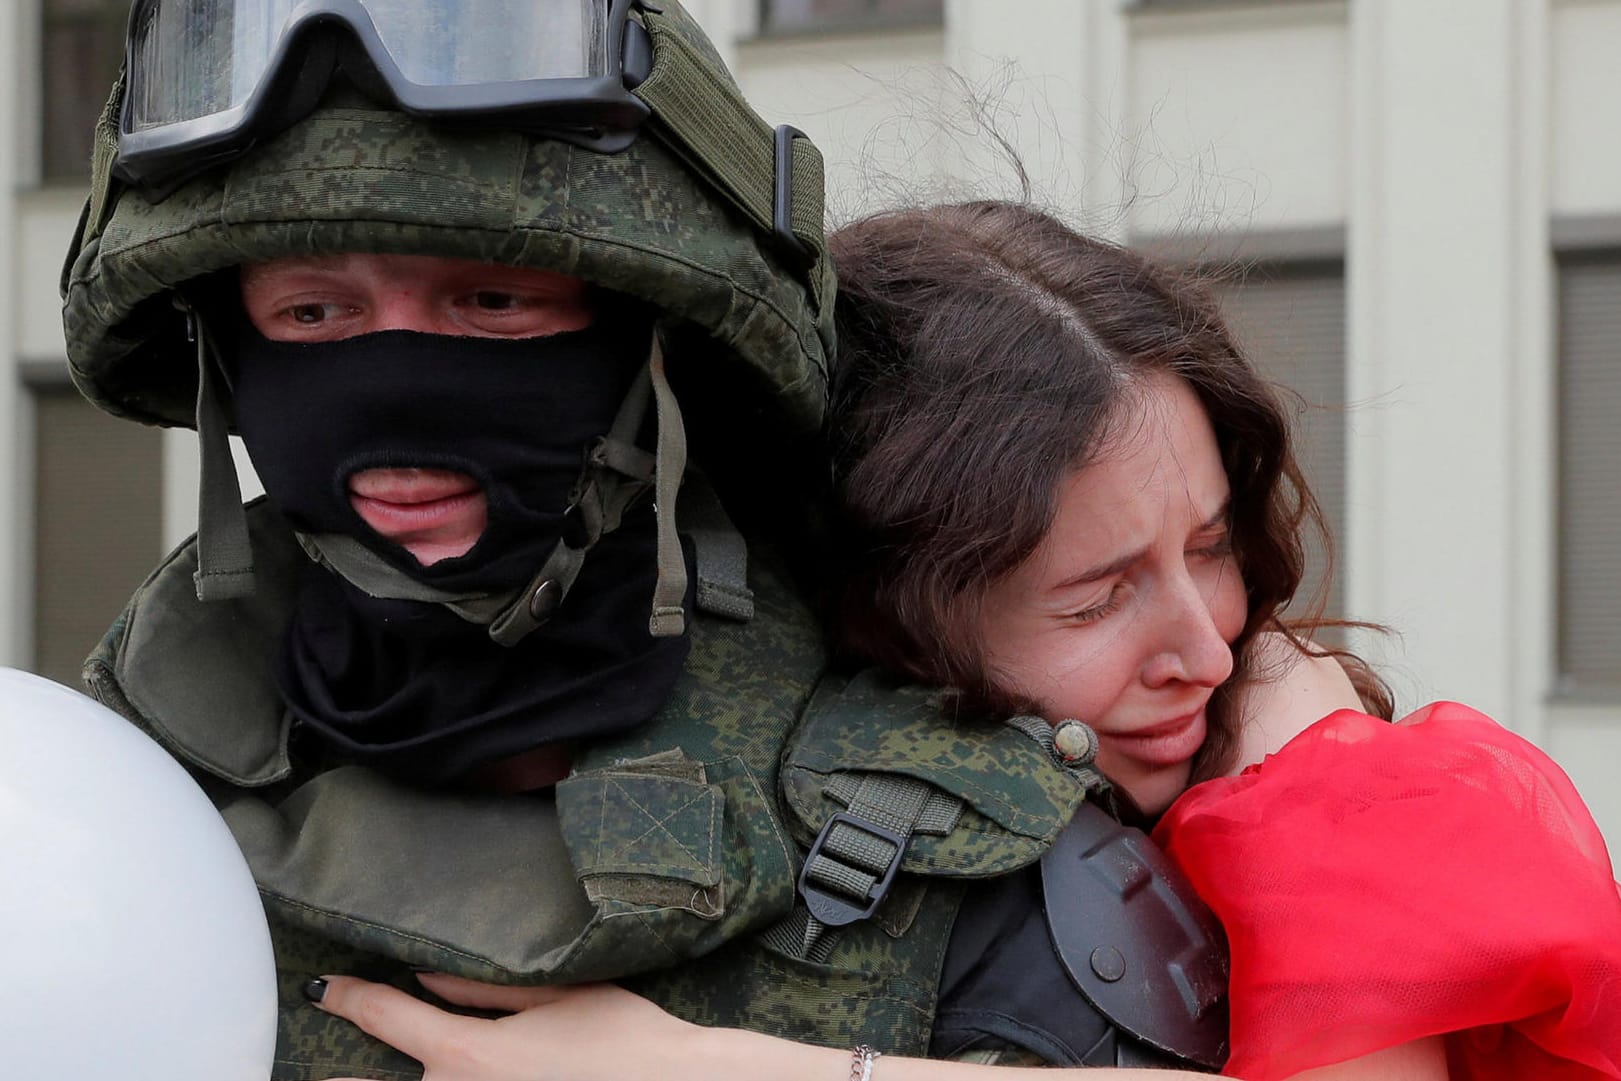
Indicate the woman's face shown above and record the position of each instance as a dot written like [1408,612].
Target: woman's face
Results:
[1125,614]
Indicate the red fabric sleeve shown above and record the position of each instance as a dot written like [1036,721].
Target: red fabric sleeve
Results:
[1382,882]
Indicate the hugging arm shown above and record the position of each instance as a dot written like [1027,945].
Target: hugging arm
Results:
[1295,691]
[604,1032]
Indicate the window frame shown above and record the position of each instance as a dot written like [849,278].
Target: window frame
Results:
[66,131]
[873,19]
[1313,267]
[1599,249]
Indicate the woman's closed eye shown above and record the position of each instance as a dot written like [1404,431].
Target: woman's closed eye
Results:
[1104,608]
[1215,548]
[1218,547]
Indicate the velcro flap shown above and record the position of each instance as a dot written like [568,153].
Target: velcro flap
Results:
[653,818]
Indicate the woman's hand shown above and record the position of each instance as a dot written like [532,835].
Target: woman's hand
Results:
[601,1031]
[551,1034]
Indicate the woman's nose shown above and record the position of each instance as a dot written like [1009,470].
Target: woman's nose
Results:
[1193,648]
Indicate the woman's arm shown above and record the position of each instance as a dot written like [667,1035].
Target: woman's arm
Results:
[604,1032]
[1294,691]
[1421,1060]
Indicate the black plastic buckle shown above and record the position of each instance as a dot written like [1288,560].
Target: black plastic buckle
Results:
[836,910]
[782,172]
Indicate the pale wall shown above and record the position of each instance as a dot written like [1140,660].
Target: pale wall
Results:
[872,103]
[1585,107]
[45,223]
[1237,120]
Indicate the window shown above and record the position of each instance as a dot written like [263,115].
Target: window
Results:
[97,528]
[1289,319]
[1589,541]
[83,48]
[787,16]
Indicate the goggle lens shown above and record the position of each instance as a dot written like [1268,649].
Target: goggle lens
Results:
[191,59]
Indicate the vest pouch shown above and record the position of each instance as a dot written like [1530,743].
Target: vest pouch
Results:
[672,858]
[455,882]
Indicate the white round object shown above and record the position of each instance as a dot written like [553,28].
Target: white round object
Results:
[135,942]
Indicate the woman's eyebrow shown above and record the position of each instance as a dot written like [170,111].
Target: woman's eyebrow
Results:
[1223,516]
[1102,570]
[1121,563]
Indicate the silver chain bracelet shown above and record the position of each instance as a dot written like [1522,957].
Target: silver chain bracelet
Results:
[861,1064]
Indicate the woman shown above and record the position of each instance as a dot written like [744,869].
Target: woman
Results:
[987,353]
[1068,494]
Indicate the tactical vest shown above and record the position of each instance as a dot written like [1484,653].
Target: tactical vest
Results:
[667,858]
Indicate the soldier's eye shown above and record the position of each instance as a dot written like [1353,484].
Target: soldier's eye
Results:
[493,300]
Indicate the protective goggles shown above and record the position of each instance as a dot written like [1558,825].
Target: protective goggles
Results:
[207,79]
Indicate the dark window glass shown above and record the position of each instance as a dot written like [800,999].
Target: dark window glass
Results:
[790,15]
[1290,322]
[97,526]
[1589,543]
[83,47]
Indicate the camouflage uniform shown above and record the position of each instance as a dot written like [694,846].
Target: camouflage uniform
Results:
[669,857]
[665,856]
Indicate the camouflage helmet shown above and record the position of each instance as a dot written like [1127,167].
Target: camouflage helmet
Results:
[711,215]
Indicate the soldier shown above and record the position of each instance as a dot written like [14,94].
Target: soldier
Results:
[491,684]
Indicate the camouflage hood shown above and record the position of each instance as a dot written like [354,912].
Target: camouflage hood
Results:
[682,218]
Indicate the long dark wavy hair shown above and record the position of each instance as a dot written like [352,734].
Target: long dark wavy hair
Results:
[983,350]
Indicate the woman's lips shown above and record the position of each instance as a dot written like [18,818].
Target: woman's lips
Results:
[1166,744]
[434,514]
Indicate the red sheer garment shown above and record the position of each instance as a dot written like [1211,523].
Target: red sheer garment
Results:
[1381,882]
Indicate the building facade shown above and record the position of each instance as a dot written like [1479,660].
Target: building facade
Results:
[1414,210]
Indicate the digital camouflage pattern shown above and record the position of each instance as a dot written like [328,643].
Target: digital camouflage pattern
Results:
[665,856]
[878,987]
[366,179]
[1016,800]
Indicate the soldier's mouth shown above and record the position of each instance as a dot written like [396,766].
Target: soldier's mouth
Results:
[435,514]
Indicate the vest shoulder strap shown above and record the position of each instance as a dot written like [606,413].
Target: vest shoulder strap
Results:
[882,778]
[986,799]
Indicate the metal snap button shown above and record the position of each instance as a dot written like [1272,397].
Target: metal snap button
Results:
[545,599]
[1075,743]
[1108,963]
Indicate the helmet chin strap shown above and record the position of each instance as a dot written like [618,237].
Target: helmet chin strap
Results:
[224,554]
[616,473]
[668,618]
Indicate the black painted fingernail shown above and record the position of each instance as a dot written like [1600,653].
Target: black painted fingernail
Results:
[315,990]
[419,969]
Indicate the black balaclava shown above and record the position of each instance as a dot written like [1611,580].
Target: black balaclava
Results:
[408,686]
